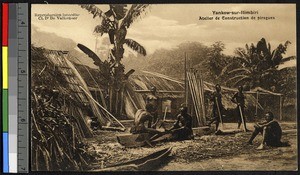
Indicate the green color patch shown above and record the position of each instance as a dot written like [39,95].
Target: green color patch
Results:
[5,110]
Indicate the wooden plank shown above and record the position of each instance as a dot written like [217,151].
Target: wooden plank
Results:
[200,131]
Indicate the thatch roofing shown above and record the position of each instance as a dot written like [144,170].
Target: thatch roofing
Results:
[170,87]
[53,69]
[165,88]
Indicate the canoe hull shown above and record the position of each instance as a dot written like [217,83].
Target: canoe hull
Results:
[147,163]
[133,140]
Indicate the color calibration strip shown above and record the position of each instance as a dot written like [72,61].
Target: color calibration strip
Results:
[5,87]
[15,80]
[13,88]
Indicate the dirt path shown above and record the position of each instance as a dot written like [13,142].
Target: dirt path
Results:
[229,152]
[283,158]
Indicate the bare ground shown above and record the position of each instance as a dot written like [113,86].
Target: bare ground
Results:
[211,152]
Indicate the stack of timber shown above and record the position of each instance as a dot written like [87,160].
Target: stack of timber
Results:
[196,90]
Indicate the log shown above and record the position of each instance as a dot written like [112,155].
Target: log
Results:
[200,131]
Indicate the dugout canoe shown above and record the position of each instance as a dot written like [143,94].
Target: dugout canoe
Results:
[138,140]
[133,140]
[147,163]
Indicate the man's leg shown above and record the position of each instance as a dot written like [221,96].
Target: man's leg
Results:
[244,118]
[265,138]
[216,118]
[217,125]
[238,114]
[256,131]
[213,115]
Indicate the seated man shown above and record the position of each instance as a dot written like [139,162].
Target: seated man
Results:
[182,128]
[271,131]
[141,119]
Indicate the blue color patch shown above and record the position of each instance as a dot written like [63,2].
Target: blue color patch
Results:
[5,153]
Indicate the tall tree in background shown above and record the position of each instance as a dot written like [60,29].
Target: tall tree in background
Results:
[115,23]
[216,59]
[257,66]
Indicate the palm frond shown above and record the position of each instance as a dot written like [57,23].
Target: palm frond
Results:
[283,60]
[101,29]
[287,43]
[91,54]
[238,76]
[239,70]
[135,11]
[135,46]
[242,56]
[240,80]
[225,69]
[95,11]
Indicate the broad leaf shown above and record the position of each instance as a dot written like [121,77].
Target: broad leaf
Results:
[135,46]
[134,12]
[95,11]
[91,54]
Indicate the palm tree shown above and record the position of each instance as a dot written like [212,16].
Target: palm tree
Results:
[257,65]
[115,23]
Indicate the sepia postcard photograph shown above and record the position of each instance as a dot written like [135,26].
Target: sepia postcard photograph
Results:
[163,87]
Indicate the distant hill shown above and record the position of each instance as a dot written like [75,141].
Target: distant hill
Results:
[54,42]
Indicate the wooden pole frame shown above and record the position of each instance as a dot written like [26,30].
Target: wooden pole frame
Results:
[103,108]
[256,105]
[280,108]
[219,112]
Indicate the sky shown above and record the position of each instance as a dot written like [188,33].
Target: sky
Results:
[167,25]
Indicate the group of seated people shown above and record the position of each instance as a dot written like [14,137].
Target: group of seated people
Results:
[182,128]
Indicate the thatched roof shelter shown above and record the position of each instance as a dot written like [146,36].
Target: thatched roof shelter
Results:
[52,69]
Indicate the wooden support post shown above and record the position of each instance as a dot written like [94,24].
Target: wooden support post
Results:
[102,107]
[185,81]
[256,105]
[280,108]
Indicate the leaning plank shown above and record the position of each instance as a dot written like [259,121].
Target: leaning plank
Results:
[90,96]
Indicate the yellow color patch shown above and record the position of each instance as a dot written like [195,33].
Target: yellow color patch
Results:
[4,67]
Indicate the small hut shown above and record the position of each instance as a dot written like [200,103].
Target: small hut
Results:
[170,93]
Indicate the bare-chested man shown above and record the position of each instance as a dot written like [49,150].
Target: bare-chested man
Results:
[271,131]
[143,121]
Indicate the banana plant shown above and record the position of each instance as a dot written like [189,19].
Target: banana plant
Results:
[115,23]
[257,65]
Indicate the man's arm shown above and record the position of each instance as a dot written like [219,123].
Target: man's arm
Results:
[268,123]
[233,99]
[176,124]
[212,97]
[265,123]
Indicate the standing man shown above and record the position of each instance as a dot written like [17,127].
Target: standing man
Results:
[153,100]
[239,99]
[271,131]
[216,98]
